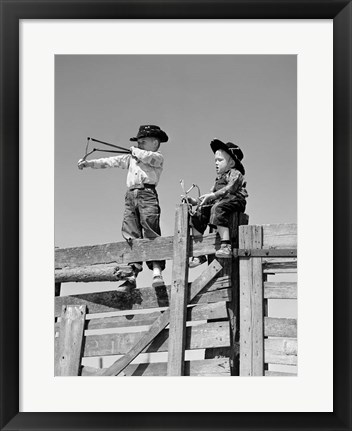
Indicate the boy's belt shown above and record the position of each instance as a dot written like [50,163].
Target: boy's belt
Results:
[142,187]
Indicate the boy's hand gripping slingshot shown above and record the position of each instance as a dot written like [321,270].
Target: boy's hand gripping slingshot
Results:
[189,200]
[121,150]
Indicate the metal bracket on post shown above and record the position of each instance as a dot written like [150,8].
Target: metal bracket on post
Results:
[265,252]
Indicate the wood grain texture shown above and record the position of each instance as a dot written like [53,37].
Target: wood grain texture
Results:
[213,334]
[179,293]
[280,290]
[69,343]
[125,298]
[280,327]
[274,236]
[203,368]
[86,274]
[279,374]
[120,253]
[251,304]
[281,351]
[279,265]
[141,343]
[280,235]
[199,312]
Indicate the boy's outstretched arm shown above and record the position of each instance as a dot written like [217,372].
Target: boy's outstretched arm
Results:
[121,161]
[152,158]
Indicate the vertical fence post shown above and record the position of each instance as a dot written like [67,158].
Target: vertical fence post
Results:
[57,289]
[69,347]
[231,268]
[251,304]
[179,294]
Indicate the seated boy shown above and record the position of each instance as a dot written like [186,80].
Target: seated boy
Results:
[227,196]
[142,211]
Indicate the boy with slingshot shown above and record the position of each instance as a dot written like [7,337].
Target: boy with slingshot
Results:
[142,211]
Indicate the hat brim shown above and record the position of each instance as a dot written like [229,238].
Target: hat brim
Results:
[216,145]
[162,136]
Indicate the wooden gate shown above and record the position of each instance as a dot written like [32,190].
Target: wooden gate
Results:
[195,324]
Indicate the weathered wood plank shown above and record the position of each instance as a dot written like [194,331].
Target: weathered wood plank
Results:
[232,269]
[251,304]
[126,299]
[280,235]
[86,274]
[122,253]
[281,351]
[213,334]
[280,290]
[179,293]
[118,252]
[280,327]
[279,374]
[218,283]
[286,346]
[208,297]
[160,324]
[134,299]
[70,341]
[276,358]
[200,312]
[203,368]
[278,265]
[274,236]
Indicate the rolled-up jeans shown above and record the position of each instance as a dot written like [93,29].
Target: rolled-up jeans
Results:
[142,219]
[217,213]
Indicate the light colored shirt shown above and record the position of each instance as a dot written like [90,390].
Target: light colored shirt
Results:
[144,167]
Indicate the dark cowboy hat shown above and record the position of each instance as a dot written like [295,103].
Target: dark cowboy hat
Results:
[232,150]
[151,131]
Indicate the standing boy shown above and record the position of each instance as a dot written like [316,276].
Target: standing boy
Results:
[142,211]
[228,195]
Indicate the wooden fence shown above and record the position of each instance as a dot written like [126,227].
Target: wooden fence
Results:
[185,320]
[271,253]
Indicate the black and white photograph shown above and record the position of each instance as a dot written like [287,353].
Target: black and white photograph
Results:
[176,215]
[175,183]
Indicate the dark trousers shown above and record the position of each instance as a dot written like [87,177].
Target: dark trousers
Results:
[142,219]
[216,214]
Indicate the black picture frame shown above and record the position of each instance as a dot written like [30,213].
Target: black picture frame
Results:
[12,11]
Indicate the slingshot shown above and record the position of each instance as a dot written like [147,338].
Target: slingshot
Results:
[121,150]
[186,199]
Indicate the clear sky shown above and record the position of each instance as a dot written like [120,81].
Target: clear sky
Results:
[249,100]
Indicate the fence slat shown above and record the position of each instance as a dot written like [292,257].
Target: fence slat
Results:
[280,351]
[280,235]
[121,253]
[199,312]
[179,293]
[279,265]
[251,303]
[280,327]
[208,367]
[123,298]
[69,346]
[207,335]
[279,374]
[280,290]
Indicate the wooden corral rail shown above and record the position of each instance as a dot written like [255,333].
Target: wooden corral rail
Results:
[180,320]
